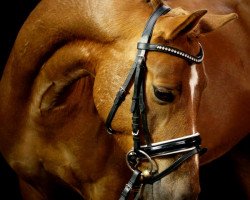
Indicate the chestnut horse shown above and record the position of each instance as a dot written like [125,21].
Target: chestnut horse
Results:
[69,60]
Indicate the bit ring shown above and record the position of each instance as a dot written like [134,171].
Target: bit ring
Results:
[132,168]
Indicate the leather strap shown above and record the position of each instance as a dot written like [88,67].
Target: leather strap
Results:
[146,133]
[135,109]
[172,51]
[148,30]
[174,166]
[130,185]
[170,147]
[146,36]
[120,97]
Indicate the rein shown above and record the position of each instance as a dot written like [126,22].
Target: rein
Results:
[188,145]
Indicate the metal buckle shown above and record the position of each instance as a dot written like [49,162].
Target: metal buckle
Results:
[135,134]
[133,163]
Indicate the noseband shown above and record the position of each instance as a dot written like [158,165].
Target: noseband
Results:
[188,145]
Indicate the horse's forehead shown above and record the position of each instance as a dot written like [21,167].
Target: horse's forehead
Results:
[162,64]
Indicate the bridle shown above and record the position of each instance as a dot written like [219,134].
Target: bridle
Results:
[188,145]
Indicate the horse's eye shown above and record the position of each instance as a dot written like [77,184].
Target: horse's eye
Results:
[163,94]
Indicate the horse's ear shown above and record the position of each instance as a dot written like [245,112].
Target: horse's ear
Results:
[155,3]
[212,22]
[178,22]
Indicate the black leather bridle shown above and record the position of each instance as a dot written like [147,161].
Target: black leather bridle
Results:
[188,145]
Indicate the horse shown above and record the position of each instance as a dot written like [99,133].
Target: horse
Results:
[59,84]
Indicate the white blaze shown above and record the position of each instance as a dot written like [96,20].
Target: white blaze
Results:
[193,83]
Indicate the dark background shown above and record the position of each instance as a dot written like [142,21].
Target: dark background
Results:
[12,15]
[218,179]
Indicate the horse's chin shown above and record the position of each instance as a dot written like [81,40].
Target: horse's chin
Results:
[174,191]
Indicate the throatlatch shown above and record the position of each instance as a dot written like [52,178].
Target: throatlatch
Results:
[188,145]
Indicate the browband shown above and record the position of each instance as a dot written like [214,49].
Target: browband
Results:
[173,51]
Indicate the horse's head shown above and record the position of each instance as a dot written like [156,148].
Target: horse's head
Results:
[174,79]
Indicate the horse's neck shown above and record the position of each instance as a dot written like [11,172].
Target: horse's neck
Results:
[213,6]
[123,19]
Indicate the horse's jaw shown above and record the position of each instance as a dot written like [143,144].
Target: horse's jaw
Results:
[177,191]
[181,184]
